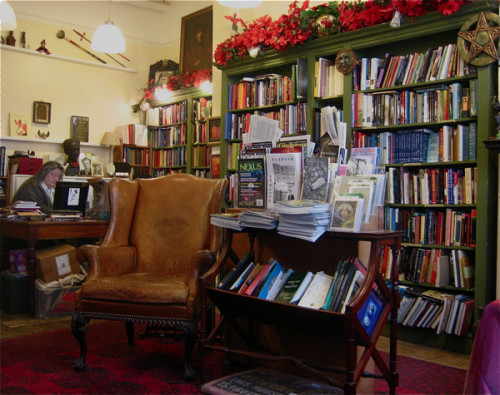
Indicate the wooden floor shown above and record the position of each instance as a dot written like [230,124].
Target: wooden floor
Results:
[18,325]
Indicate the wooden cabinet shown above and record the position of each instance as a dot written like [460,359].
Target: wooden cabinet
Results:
[419,36]
[332,346]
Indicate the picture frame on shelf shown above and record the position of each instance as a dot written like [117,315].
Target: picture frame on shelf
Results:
[97,169]
[215,166]
[86,161]
[214,129]
[196,41]
[41,112]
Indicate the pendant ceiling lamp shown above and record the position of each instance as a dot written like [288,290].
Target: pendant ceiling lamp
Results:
[240,3]
[108,38]
[8,19]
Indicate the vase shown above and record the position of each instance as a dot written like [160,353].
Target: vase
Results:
[254,51]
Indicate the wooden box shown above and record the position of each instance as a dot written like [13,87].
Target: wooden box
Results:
[25,165]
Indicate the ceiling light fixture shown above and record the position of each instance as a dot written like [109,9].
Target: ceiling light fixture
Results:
[8,19]
[108,38]
[240,3]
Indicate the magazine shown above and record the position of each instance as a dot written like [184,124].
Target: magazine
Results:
[283,177]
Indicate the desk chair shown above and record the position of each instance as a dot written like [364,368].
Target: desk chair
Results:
[159,242]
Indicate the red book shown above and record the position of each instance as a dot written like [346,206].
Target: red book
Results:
[257,280]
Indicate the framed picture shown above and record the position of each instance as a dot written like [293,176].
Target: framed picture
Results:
[162,66]
[161,77]
[80,128]
[96,169]
[196,41]
[214,129]
[215,166]
[41,112]
[18,124]
[85,161]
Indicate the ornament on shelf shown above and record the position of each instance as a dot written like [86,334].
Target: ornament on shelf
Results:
[42,47]
[345,61]
[477,46]
[43,135]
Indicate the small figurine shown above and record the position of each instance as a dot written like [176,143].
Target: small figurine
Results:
[23,39]
[42,48]
[11,40]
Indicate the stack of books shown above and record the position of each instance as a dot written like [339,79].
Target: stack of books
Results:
[303,219]
[226,220]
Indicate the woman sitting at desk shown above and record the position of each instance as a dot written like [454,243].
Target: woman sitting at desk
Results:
[41,186]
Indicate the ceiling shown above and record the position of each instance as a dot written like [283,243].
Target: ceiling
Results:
[148,22]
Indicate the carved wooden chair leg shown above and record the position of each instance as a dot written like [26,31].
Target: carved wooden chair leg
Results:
[129,327]
[79,330]
[190,341]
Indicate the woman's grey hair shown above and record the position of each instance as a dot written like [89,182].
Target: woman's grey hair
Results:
[47,167]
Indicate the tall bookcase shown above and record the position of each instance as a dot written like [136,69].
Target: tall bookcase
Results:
[429,31]
[176,130]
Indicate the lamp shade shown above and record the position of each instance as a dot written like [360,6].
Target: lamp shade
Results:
[8,19]
[110,138]
[240,3]
[108,38]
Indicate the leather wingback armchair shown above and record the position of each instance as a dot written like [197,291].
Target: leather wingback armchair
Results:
[146,269]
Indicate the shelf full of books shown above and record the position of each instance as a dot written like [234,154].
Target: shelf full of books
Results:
[296,286]
[414,103]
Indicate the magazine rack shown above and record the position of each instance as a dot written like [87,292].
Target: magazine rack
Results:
[323,344]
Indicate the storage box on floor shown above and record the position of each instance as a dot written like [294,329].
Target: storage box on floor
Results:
[54,289]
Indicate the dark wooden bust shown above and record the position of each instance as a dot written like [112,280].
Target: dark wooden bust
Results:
[72,150]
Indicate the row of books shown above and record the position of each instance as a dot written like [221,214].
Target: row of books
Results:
[136,156]
[292,118]
[320,291]
[169,157]
[202,108]
[435,64]
[419,105]
[164,172]
[434,227]
[263,90]
[328,81]
[432,185]
[449,144]
[442,312]
[200,134]
[201,156]
[167,115]
[3,161]
[134,134]
[167,137]
[437,267]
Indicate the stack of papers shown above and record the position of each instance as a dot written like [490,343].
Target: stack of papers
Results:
[226,220]
[25,205]
[303,219]
[259,219]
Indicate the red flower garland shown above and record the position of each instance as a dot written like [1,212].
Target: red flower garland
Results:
[295,27]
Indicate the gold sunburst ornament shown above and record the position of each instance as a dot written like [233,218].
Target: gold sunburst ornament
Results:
[478,46]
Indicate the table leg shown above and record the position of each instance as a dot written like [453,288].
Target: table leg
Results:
[31,269]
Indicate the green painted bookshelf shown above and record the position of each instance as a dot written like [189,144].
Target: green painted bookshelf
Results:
[418,36]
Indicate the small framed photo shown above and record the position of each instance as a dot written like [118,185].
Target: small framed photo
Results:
[96,169]
[41,112]
[85,161]
[214,126]
[215,166]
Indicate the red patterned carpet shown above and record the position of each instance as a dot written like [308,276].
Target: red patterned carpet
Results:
[43,364]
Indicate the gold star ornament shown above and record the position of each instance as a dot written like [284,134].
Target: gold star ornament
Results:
[478,46]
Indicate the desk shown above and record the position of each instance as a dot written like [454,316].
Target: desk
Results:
[32,231]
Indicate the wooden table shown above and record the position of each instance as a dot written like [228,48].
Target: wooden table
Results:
[33,231]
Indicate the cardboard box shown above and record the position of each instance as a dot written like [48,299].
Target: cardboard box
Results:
[57,262]
[15,290]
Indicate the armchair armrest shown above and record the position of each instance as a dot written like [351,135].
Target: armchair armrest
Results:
[210,275]
[106,261]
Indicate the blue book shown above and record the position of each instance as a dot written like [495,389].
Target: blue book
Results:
[369,314]
[273,275]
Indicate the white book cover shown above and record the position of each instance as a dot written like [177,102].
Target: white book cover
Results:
[347,214]
[315,294]
[284,177]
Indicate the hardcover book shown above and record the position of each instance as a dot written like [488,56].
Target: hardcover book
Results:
[290,287]
[316,291]
[370,312]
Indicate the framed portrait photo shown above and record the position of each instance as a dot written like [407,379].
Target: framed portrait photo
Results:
[96,169]
[196,41]
[41,112]
[214,126]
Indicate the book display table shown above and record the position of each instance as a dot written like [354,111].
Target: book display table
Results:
[324,345]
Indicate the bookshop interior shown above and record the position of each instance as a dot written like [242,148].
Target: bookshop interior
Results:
[301,195]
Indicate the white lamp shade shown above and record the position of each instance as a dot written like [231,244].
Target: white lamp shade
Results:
[240,3]
[8,19]
[108,38]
